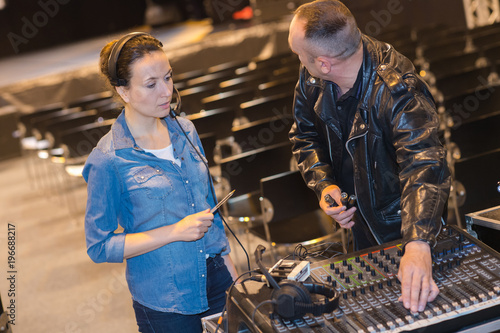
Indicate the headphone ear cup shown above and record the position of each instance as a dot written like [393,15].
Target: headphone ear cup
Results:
[287,297]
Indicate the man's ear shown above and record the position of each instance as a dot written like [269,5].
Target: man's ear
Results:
[324,64]
[123,92]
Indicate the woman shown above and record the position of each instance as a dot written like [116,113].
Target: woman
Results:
[146,176]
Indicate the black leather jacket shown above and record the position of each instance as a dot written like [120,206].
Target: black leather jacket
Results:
[401,177]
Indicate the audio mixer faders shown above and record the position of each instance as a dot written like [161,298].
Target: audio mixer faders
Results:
[466,271]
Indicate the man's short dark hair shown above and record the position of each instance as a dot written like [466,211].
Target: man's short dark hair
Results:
[330,28]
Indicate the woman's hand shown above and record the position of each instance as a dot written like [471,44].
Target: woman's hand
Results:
[190,228]
[194,227]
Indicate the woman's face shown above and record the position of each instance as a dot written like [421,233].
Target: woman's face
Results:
[150,88]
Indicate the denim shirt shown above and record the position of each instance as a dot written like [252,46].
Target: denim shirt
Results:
[138,191]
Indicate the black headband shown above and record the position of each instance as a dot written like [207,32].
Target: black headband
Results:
[115,54]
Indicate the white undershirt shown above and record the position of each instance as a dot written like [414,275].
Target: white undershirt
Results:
[166,153]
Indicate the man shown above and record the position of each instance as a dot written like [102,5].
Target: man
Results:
[367,125]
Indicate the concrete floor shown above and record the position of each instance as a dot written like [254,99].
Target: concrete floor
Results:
[57,287]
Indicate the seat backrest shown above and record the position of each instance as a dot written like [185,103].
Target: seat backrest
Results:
[218,121]
[474,104]
[208,141]
[288,194]
[90,99]
[231,98]
[191,97]
[265,107]
[80,141]
[244,171]
[261,133]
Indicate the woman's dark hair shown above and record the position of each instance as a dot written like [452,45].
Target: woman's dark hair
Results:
[133,50]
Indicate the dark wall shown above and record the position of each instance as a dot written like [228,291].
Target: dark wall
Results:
[381,14]
[29,25]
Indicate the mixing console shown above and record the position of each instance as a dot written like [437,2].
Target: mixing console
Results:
[466,271]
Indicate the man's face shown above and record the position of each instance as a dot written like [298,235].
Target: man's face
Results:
[299,46]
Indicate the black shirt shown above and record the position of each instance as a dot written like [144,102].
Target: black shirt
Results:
[345,110]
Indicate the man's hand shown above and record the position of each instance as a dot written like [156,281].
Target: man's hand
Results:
[415,274]
[338,213]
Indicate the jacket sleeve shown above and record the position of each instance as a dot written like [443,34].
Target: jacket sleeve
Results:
[103,203]
[424,175]
[309,149]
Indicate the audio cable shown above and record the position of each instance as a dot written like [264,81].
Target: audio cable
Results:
[219,321]
[212,189]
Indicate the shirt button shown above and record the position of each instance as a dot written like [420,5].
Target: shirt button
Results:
[187,181]
[362,126]
[339,108]
[142,177]
[192,204]
[201,251]
[202,275]
[157,170]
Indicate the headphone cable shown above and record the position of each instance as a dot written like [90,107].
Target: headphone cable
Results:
[212,189]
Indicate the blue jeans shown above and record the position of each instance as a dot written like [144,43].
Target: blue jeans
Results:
[218,281]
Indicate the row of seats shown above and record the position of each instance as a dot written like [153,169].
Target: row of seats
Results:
[242,112]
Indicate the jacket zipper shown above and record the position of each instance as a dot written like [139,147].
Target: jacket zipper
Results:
[355,192]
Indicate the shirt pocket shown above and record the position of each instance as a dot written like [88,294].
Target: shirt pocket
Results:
[153,181]
[201,166]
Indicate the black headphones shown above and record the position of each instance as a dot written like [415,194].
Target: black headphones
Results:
[115,54]
[292,299]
